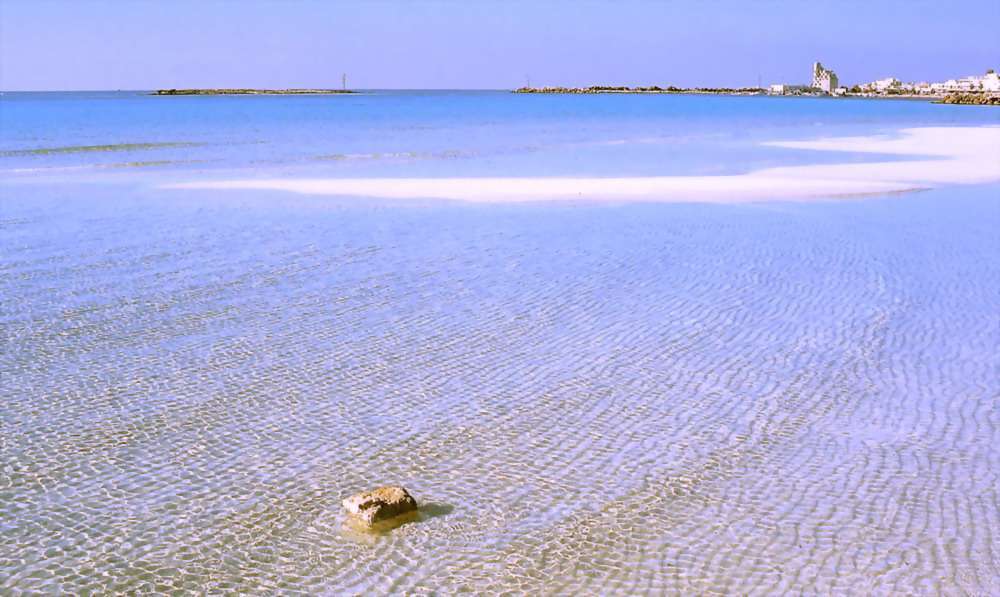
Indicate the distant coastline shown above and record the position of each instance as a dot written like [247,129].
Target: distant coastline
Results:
[251,91]
[596,89]
[981,98]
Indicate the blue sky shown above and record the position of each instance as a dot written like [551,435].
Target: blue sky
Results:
[137,44]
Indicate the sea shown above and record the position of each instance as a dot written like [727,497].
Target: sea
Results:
[600,397]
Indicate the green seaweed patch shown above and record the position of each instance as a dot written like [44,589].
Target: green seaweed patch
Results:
[92,148]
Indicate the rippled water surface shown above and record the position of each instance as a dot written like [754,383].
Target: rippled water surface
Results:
[594,398]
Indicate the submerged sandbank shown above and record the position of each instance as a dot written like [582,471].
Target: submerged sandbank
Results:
[943,155]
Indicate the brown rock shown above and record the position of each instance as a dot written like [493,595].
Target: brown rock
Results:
[378,505]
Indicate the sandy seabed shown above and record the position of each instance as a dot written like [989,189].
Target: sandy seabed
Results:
[654,399]
[941,155]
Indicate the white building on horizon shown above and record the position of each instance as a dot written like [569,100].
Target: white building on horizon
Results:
[990,82]
[883,85]
[824,79]
[786,89]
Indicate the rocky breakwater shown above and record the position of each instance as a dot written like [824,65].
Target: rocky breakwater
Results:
[972,99]
[381,508]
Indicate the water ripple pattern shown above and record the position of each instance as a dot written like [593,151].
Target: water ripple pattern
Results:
[599,399]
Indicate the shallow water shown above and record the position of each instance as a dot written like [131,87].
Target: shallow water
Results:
[591,398]
[437,133]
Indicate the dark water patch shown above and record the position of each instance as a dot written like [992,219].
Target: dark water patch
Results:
[94,148]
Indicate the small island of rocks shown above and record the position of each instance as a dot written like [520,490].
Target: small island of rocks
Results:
[251,91]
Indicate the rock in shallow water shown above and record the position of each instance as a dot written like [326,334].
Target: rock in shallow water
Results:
[379,505]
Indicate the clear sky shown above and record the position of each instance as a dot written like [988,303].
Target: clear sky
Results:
[144,44]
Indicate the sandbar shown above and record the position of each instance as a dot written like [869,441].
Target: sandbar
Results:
[940,156]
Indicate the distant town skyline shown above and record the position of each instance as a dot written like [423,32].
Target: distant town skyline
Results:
[121,44]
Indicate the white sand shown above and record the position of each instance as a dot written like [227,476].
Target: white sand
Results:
[947,155]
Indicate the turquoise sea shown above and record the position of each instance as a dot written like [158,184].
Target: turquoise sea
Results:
[585,397]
